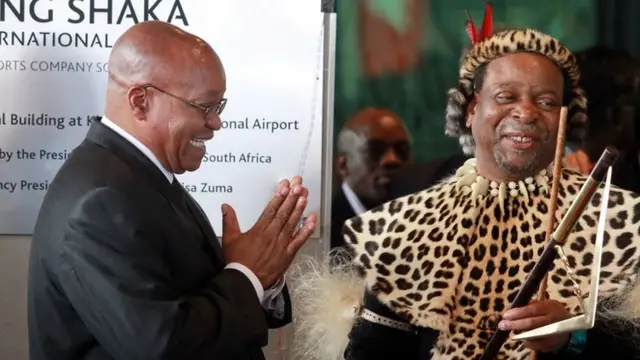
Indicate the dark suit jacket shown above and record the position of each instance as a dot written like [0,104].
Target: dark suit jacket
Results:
[123,266]
[341,211]
[420,176]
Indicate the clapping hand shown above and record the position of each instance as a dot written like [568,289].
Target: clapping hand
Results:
[269,246]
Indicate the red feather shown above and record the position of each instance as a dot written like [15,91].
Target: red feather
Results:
[472,31]
[487,23]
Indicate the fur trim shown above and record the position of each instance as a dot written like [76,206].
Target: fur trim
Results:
[508,42]
[326,301]
[619,315]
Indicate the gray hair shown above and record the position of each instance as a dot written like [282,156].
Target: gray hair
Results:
[350,143]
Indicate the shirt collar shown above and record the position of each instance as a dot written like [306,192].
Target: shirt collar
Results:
[139,145]
[353,200]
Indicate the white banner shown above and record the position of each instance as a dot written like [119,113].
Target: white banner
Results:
[53,58]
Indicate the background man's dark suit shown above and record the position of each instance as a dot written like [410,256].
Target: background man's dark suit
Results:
[341,211]
[421,176]
[125,265]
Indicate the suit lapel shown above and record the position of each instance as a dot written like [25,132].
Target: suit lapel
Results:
[107,138]
[211,239]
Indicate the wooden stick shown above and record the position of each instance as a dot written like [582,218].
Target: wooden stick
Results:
[555,184]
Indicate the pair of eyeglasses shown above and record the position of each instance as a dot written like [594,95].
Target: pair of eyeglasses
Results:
[213,109]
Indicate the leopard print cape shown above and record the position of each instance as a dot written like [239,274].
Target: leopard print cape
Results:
[447,259]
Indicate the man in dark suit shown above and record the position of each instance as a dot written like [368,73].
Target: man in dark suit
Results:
[371,147]
[124,263]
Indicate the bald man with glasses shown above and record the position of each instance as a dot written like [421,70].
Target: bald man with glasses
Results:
[124,263]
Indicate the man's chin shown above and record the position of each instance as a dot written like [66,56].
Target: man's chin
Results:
[382,193]
[191,165]
[520,166]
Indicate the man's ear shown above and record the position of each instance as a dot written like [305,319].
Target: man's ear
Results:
[138,102]
[341,166]
[471,110]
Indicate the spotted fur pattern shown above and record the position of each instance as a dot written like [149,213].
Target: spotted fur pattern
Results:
[442,260]
[503,43]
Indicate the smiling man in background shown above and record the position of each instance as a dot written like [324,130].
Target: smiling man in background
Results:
[372,146]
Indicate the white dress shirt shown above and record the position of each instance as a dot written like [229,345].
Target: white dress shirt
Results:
[268,298]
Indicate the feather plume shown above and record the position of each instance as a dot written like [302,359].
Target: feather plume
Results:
[326,299]
[487,23]
[472,30]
